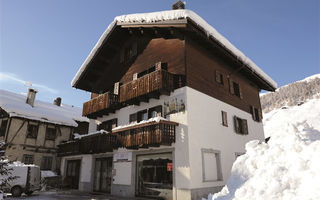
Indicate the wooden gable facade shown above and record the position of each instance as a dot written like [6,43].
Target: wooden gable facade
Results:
[191,58]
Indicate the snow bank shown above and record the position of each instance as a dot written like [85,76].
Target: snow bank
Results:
[153,17]
[287,168]
[15,105]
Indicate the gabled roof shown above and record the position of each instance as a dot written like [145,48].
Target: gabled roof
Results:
[174,17]
[15,105]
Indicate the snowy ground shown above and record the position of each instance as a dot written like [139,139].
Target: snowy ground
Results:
[285,168]
[70,195]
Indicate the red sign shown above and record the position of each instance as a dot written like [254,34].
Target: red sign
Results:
[169,167]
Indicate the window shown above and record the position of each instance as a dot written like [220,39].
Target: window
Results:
[51,133]
[256,115]
[235,88]
[224,118]
[251,112]
[46,163]
[133,118]
[3,127]
[142,115]
[155,112]
[32,131]
[211,165]
[219,77]
[27,159]
[108,125]
[240,126]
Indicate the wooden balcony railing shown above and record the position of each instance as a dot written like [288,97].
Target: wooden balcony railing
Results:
[157,82]
[102,104]
[99,143]
[152,134]
[147,135]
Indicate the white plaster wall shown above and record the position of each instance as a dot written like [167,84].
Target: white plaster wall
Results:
[123,173]
[86,168]
[206,131]
[92,125]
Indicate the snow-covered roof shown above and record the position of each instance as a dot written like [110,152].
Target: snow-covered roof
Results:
[153,17]
[15,105]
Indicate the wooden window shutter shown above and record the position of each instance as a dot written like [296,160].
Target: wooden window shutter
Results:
[224,118]
[218,77]
[252,112]
[244,127]
[240,92]
[260,115]
[236,124]
[231,86]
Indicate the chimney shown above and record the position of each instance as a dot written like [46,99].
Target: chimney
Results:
[31,96]
[178,5]
[57,101]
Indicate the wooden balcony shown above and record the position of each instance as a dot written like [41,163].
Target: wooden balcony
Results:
[100,105]
[99,143]
[152,134]
[151,85]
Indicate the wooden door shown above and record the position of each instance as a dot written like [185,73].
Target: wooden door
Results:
[103,175]
[73,173]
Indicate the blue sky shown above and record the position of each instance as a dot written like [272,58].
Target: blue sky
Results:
[46,41]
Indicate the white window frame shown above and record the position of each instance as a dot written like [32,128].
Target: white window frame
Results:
[218,167]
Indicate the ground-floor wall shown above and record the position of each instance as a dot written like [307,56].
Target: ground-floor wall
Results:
[19,152]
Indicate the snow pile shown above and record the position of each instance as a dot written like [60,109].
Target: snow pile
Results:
[154,119]
[48,173]
[15,105]
[20,164]
[287,168]
[153,17]
[78,136]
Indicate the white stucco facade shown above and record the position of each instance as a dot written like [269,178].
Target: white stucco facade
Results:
[199,133]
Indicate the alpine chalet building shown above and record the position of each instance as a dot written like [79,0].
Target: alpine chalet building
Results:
[173,104]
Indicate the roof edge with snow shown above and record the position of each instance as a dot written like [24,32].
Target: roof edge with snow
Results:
[173,16]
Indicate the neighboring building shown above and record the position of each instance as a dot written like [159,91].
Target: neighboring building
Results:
[177,103]
[32,129]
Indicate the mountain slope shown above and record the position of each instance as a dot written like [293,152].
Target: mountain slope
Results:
[292,94]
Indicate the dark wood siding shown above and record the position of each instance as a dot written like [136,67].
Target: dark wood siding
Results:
[201,67]
[169,51]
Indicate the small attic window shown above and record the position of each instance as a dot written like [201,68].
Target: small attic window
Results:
[128,52]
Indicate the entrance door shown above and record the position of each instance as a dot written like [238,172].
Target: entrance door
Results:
[154,176]
[73,173]
[103,175]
